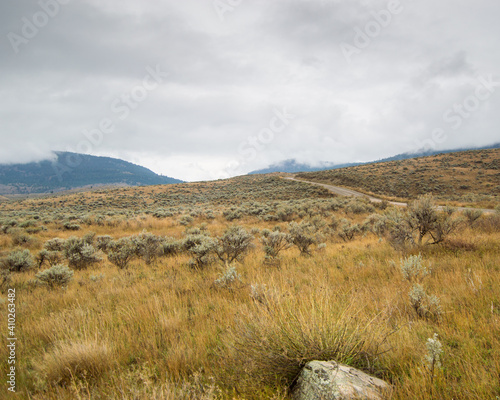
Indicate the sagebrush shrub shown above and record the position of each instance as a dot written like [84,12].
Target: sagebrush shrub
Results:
[413,268]
[102,242]
[148,246]
[57,275]
[49,257]
[171,246]
[426,306]
[56,244]
[22,239]
[186,220]
[422,215]
[433,357]
[227,278]
[121,252]
[80,254]
[234,244]
[303,236]
[348,231]
[274,242]
[201,248]
[472,216]
[19,261]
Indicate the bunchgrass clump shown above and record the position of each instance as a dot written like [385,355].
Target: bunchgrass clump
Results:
[85,360]
[274,339]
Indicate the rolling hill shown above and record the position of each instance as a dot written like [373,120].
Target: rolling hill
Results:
[293,166]
[72,170]
[467,177]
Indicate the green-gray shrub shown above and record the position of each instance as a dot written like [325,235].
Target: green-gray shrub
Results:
[49,257]
[234,244]
[121,252]
[426,306]
[274,242]
[80,254]
[55,244]
[19,261]
[348,231]
[201,248]
[148,246]
[102,242]
[227,278]
[303,235]
[57,275]
[413,268]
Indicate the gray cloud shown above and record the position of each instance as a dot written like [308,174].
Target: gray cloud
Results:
[226,78]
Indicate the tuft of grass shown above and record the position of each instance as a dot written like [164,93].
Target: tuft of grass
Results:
[85,360]
[275,338]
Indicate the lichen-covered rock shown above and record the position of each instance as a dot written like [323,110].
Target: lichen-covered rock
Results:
[329,380]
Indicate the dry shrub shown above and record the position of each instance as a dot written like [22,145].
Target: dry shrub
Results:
[275,338]
[87,360]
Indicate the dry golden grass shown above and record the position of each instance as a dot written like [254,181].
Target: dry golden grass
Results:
[165,331]
[87,360]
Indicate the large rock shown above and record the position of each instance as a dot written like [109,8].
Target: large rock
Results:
[329,380]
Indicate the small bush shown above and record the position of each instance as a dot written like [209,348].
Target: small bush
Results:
[22,239]
[57,275]
[422,216]
[19,261]
[348,232]
[472,215]
[303,236]
[227,278]
[201,248]
[121,252]
[274,242]
[234,244]
[426,306]
[148,246]
[56,244]
[102,242]
[49,257]
[186,220]
[171,247]
[70,226]
[80,254]
[413,269]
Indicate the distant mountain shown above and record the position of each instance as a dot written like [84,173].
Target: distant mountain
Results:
[72,170]
[292,166]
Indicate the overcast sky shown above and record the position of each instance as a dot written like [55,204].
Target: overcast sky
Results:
[203,89]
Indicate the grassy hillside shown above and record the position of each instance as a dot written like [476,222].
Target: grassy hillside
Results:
[161,326]
[469,177]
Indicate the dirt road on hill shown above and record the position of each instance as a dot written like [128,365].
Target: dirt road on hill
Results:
[349,192]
